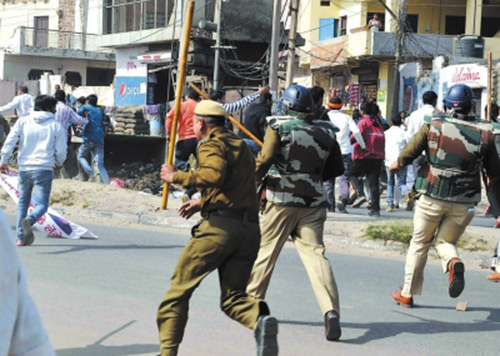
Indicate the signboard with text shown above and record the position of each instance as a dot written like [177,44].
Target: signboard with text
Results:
[130,91]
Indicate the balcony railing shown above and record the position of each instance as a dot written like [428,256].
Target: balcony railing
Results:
[52,39]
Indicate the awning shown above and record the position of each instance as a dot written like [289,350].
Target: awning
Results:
[155,57]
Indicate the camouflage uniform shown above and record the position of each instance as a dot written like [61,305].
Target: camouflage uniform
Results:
[299,154]
[226,239]
[449,187]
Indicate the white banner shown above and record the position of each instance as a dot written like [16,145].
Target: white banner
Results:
[51,222]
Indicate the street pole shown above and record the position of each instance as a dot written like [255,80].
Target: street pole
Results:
[294,9]
[217,20]
[490,72]
[275,44]
[399,49]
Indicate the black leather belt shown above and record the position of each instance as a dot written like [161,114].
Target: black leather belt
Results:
[233,214]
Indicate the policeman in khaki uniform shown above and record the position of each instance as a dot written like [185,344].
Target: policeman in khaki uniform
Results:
[448,185]
[227,239]
[299,153]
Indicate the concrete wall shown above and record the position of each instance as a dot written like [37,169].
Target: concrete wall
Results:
[17,67]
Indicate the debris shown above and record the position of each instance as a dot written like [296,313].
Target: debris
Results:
[117,182]
[462,306]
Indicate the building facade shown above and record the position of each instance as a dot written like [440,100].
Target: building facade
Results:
[341,51]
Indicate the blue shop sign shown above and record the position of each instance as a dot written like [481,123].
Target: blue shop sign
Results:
[130,91]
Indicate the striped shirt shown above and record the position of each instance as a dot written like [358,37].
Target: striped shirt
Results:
[66,116]
[240,104]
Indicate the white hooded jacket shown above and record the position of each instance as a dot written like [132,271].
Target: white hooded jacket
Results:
[42,142]
[21,329]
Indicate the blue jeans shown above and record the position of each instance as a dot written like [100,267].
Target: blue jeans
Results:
[400,177]
[36,184]
[97,150]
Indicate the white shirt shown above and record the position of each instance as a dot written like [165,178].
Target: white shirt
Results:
[42,142]
[346,125]
[395,141]
[22,103]
[21,329]
[416,120]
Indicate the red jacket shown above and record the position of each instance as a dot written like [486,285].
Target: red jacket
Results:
[373,134]
[185,126]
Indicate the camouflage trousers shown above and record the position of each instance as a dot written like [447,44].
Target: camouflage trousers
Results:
[305,226]
[449,219]
[228,245]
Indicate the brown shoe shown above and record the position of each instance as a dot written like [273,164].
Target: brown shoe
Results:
[495,277]
[403,301]
[456,282]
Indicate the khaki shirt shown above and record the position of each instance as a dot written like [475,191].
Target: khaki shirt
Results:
[225,174]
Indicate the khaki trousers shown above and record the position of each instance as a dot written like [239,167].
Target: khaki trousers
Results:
[305,226]
[449,219]
[222,243]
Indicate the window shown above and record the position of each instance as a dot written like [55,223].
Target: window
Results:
[412,23]
[343,25]
[455,25]
[135,15]
[73,78]
[41,32]
[327,28]
[324,3]
[99,76]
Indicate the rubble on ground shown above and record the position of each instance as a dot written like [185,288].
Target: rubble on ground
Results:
[139,176]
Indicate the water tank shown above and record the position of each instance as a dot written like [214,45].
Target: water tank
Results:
[469,46]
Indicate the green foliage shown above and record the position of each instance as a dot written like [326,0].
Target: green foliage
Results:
[395,230]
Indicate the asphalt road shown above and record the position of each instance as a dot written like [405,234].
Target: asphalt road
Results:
[99,298]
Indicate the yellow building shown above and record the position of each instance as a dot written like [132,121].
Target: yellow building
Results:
[341,49]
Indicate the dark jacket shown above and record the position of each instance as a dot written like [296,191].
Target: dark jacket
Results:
[255,120]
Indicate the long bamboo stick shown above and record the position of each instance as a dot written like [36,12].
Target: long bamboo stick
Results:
[232,119]
[178,95]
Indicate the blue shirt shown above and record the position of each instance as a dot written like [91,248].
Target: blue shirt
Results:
[93,130]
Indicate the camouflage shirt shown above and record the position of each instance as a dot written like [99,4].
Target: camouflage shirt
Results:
[299,154]
[455,150]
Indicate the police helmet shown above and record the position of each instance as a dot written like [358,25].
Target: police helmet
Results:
[460,98]
[297,98]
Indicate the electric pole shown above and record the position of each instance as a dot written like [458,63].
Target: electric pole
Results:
[275,44]
[398,50]
[294,9]
[217,20]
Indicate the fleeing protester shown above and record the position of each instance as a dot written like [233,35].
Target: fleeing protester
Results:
[395,141]
[493,186]
[219,96]
[449,185]
[416,120]
[303,153]
[22,331]
[368,161]
[346,126]
[42,145]
[255,121]
[22,103]
[319,111]
[93,140]
[65,115]
[227,239]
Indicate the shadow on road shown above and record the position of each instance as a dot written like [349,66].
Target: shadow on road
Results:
[78,248]
[97,349]
[382,330]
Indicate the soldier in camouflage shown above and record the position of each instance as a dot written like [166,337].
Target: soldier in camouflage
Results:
[448,187]
[299,153]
